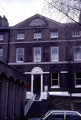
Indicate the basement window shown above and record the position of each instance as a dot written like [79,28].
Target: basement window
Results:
[78,79]
[54,80]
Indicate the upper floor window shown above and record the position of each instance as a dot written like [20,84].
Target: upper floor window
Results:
[54,34]
[54,80]
[20,36]
[1,54]
[54,54]
[78,79]
[20,55]
[37,36]
[1,37]
[77,53]
[76,34]
[37,54]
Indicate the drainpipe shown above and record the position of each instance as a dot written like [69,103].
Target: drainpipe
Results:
[8,47]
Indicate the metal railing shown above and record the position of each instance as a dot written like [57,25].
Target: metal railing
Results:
[28,105]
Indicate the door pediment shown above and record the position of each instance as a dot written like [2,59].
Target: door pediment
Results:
[37,70]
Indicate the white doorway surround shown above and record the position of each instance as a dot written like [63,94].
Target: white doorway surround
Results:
[37,71]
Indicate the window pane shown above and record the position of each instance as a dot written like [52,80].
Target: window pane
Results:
[78,75]
[20,54]
[20,36]
[37,35]
[1,37]
[54,53]
[54,79]
[54,34]
[78,81]
[75,33]
[72,116]
[54,82]
[20,51]
[77,52]
[55,76]
[78,78]
[37,54]
[1,54]
[20,57]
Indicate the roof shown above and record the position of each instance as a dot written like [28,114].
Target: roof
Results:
[26,23]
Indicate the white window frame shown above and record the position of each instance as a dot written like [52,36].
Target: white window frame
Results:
[1,38]
[20,54]
[54,34]
[37,35]
[55,86]
[20,38]
[1,55]
[52,60]
[74,33]
[76,52]
[76,86]
[34,55]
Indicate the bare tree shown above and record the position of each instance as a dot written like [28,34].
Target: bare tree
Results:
[67,8]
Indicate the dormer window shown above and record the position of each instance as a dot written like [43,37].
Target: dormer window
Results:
[37,36]
[1,37]
[76,34]
[54,34]
[20,36]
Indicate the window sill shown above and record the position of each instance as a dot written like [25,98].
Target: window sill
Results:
[19,61]
[53,37]
[1,39]
[20,38]
[54,60]
[78,86]
[77,59]
[55,87]
[76,36]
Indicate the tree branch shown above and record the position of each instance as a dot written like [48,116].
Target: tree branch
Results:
[63,12]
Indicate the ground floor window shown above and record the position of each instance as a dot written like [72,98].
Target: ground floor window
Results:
[54,80]
[78,79]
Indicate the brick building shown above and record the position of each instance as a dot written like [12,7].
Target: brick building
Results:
[47,52]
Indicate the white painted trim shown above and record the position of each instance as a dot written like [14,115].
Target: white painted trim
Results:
[35,72]
[23,42]
[64,72]
[28,63]
[60,93]
[43,41]
[31,73]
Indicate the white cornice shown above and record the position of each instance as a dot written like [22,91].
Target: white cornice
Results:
[50,41]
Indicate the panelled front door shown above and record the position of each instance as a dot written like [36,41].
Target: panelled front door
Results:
[37,84]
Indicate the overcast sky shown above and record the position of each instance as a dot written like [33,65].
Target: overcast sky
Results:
[19,10]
